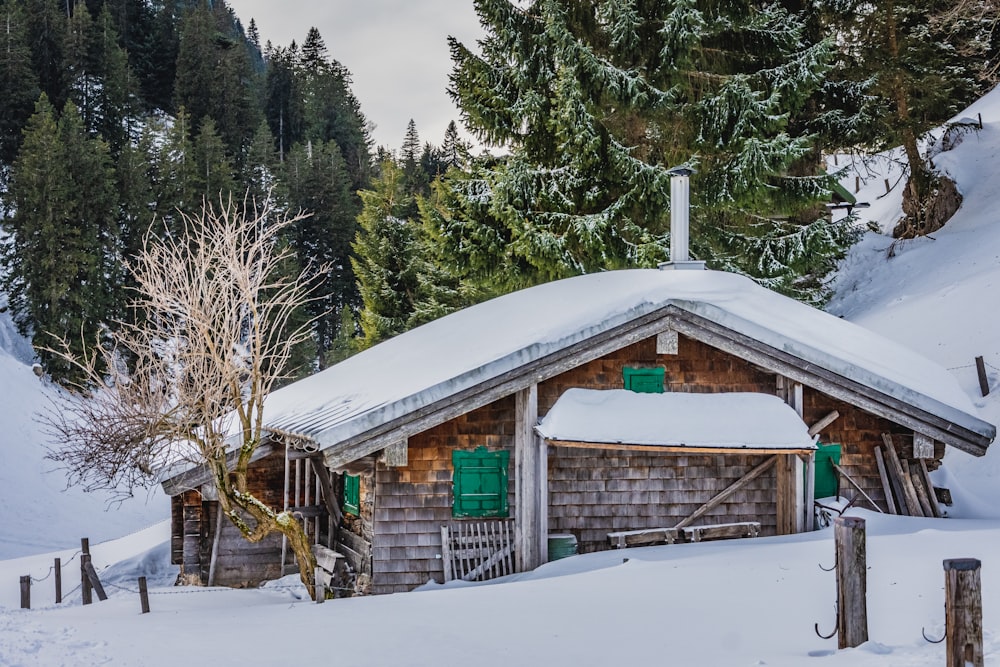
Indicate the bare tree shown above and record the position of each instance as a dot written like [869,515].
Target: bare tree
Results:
[186,384]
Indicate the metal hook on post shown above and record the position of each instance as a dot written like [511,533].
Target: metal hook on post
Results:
[821,635]
[932,641]
[828,569]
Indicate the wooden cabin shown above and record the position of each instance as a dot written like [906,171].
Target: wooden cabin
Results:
[469,446]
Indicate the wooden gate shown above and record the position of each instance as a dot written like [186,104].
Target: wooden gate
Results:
[478,550]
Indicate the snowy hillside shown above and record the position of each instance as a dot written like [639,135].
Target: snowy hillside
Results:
[744,602]
[39,513]
[939,295]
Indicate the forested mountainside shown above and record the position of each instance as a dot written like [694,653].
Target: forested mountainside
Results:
[119,114]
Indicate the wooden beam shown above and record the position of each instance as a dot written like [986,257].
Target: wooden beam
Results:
[909,493]
[618,446]
[816,428]
[326,486]
[756,472]
[852,482]
[529,477]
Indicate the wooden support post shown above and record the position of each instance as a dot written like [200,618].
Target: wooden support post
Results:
[529,479]
[143,595]
[213,560]
[852,581]
[57,571]
[857,487]
[26,592]
[963,610]
[823,423]
[984,385]
[790,494]
[810,500]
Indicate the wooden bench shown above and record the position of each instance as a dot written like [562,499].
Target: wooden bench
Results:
[648,536]
[721,531]
[636,538]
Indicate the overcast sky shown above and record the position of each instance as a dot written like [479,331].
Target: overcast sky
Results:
[396,50]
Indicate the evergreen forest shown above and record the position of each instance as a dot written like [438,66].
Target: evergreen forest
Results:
[118,114]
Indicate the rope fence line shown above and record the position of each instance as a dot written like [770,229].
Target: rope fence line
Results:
[52,568]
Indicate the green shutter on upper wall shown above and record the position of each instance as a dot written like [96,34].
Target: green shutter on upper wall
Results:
[480,482]
[644,380]
[352,494]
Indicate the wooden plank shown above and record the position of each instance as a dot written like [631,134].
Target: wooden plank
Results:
[326,558]
[914,480]
[618,446]
[850,480]
[480,570]
[931,495]
[643,536]
[923,447]
[883,474]
[823,423]
[785,494]
[756,472]
[326,486]
[396,454]
[909,493]
[95,581]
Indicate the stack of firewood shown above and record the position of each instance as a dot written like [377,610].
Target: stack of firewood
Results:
[906,483]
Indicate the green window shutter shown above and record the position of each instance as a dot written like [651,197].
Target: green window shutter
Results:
[826,475]
[352,494]
[480,482]
[644,380]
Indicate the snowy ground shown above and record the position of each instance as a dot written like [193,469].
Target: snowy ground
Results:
[746,602]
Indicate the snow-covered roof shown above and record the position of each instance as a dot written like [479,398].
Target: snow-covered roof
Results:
[728,420]
[455,354]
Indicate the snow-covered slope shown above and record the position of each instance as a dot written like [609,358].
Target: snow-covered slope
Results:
[37,512]
[940,295]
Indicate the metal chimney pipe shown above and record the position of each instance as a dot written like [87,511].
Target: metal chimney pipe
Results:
[680,216]
[680,220]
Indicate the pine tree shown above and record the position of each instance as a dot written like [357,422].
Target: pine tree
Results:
[46,35]
[917,62]
[598,99]
[17,80]
[284,104]
[316,181]
[62,263]
[384,251]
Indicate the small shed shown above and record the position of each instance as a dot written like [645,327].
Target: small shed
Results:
[436,428]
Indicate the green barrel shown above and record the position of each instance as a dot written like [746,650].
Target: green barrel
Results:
[561,546]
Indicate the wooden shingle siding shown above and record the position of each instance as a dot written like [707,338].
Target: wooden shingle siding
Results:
[412,503]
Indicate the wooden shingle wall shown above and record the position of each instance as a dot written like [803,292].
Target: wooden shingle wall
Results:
[412,503]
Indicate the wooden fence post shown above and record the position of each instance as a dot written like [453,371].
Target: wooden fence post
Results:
[963,611]
[984,383]
[143,595]
[86,592]
[57,570]
[852,581]
[26,592]
[318,580]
